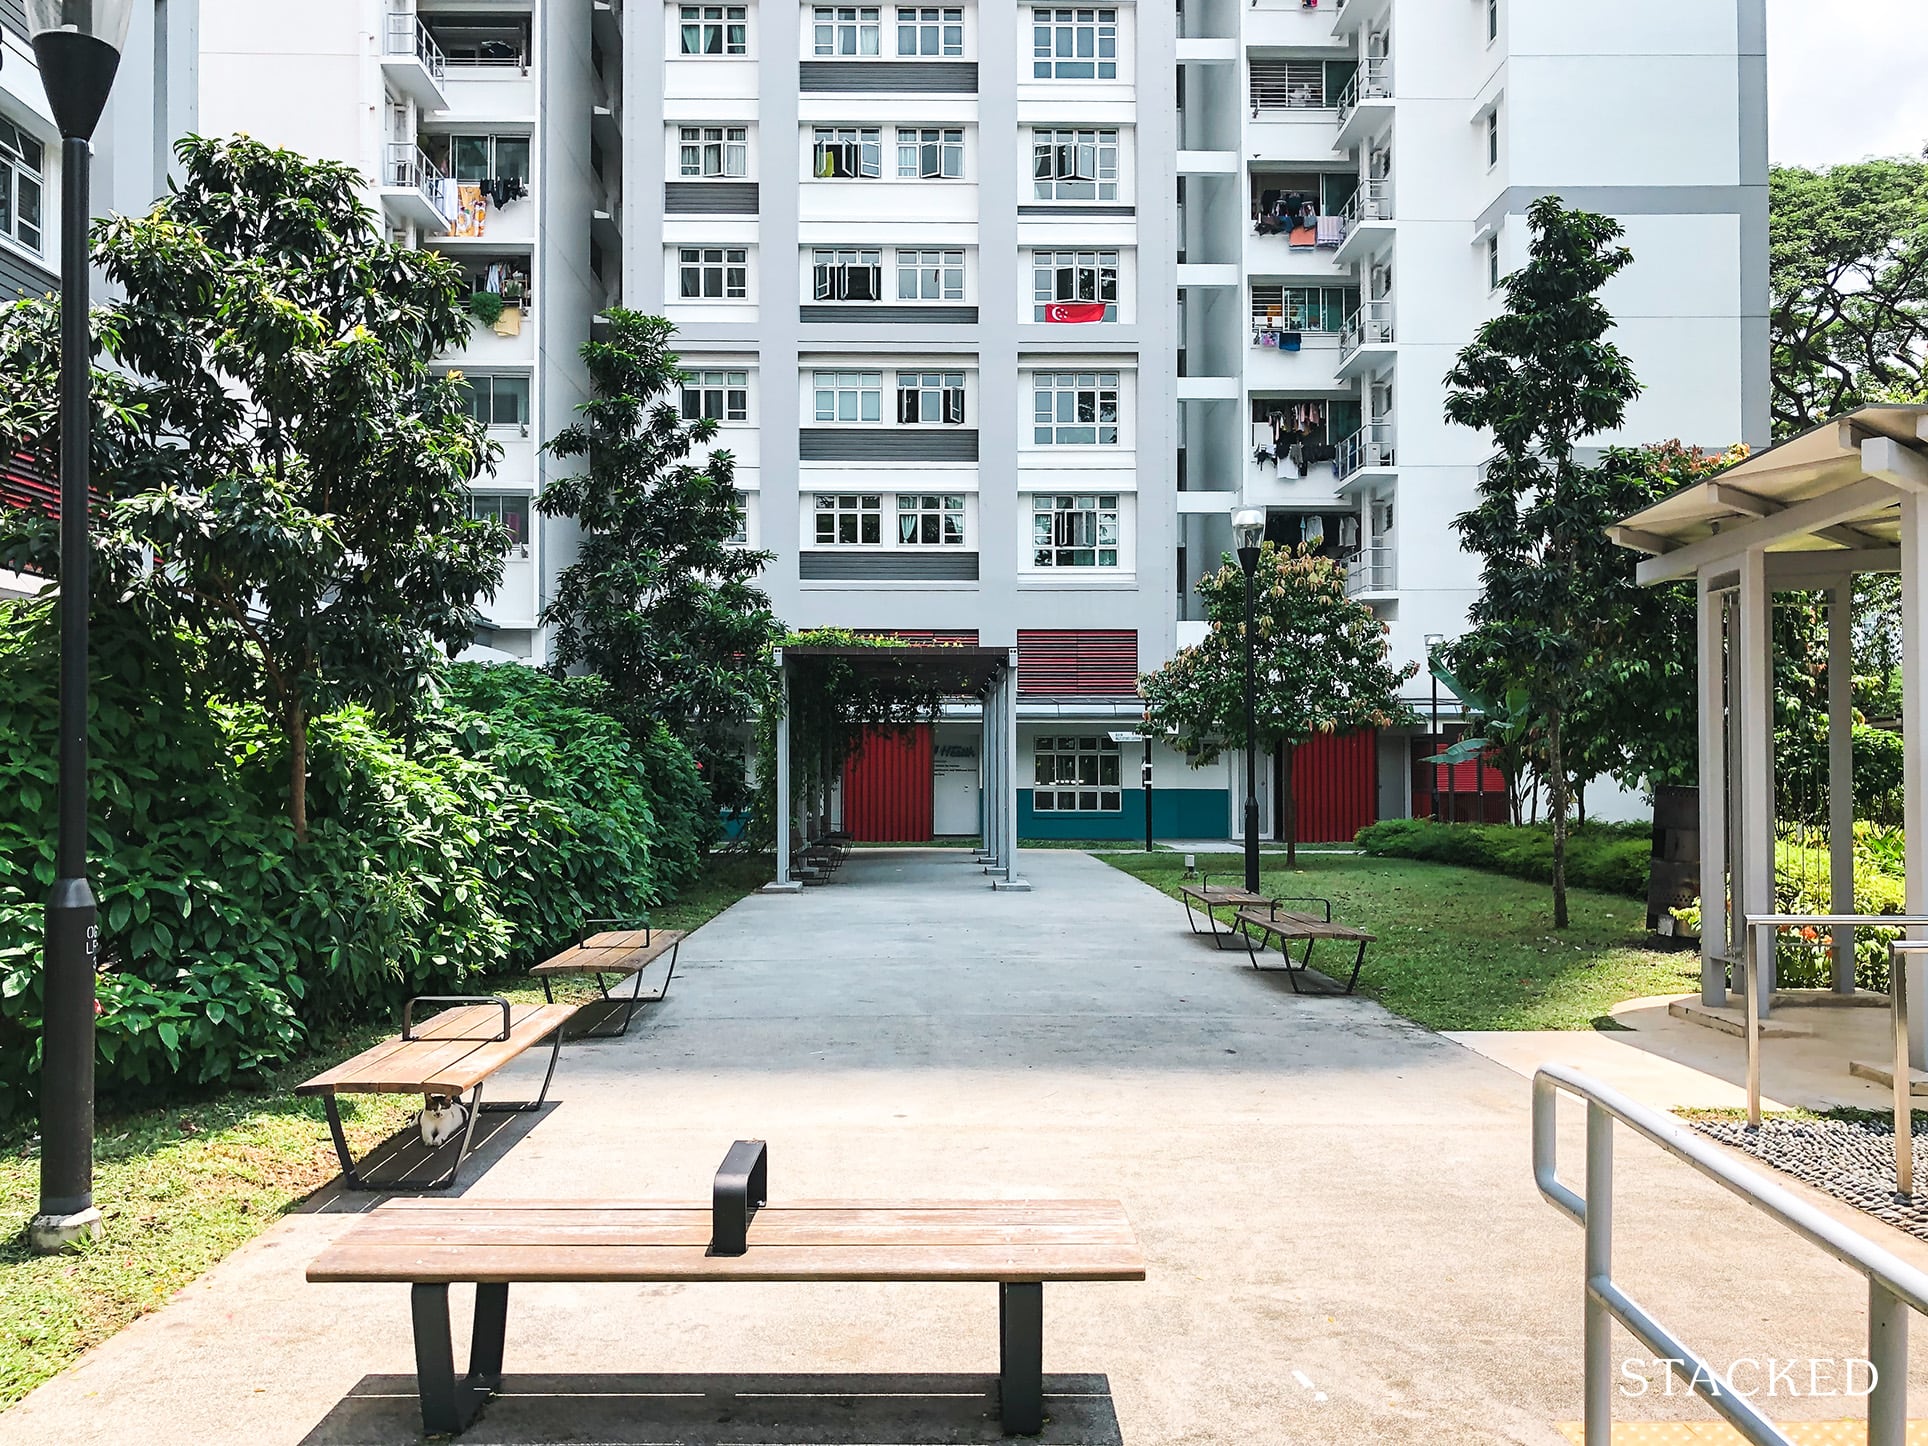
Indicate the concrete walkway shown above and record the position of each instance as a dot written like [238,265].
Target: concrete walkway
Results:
[1345,1244]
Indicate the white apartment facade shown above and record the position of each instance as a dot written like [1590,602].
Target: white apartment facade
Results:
[1420,131]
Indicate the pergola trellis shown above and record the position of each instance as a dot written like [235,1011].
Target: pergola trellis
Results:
[988,675]
[1846,498]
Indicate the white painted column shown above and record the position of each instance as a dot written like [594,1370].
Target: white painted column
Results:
[1754,701]
[993,775]
[1914,719]
[1841,775]
[1008,749]
[1715,935]
[783,775]
[984,777]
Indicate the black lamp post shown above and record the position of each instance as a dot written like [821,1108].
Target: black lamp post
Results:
[78,44]
[1248,528]
[1433,640]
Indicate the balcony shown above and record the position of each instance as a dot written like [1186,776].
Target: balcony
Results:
[1365,105]
[1369,326]
[415,191]
[1372,572]
[1369,448]
[413,63]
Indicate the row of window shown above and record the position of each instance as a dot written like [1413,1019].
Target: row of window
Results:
[1066,43]
[856,274]
[1068,530]
[1068,409]
[1066,164]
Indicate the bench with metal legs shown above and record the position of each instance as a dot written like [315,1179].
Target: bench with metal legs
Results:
[610,954]
[1288,928]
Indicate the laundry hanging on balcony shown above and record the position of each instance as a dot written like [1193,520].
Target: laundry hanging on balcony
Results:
[501,190]
[471,210]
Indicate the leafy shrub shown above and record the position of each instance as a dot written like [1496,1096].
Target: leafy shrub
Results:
[1612,858]
[1801,764]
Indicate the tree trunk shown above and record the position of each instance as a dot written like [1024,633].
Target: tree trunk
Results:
[298,770]
[1290,822]
[1580,802]
[1556,807]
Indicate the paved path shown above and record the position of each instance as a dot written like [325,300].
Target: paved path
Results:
[1344,1242]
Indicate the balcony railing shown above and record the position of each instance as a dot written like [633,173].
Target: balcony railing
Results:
[407,34]
[1370,446]
[1371,202]
[1285,85]
[1371,570]
[1370,325]
[407,168]
[1372,81]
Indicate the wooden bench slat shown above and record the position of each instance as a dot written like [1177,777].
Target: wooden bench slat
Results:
[1302,926]
[449,1056]
[595,958]
[391,1211]
[350,1260]
[534,1230]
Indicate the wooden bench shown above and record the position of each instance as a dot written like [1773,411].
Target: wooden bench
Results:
[453,1053]
[1287,927]
[618,952]
[1209,896]
[430,1245]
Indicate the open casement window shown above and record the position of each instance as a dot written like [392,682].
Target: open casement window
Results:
[741,537]
[930,30]
[713,152]
[713,273]
[1079,774]
[1074,276]
[22,160]
[718,396]
[497,401]
[849,397]
[1074,531]
[510,510]
[847,275]
[930,275]
[930,399]
[840,30]
[846,153]
[930,154]
[1074,165]
[850,520]
[716,29]
[1075,409]
[926,520]
[1074,44]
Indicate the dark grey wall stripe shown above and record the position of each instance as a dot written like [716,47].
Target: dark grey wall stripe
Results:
[895,77]
[13,15]
[907,565]
[892,315]
[1073,208]
[887,444]
[710,198]
[20,277]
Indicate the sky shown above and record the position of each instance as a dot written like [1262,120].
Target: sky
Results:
[1846,79]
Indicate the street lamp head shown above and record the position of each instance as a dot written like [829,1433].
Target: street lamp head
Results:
[1248,531]
[78,44]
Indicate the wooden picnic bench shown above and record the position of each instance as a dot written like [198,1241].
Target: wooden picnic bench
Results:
[445,1057]
[606,952]
[1209,896]
[430,1245]
[1288,927]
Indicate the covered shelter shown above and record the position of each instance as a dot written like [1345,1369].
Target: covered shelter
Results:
[934,671]
[1846,498]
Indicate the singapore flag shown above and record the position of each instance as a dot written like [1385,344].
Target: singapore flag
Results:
[1075,311]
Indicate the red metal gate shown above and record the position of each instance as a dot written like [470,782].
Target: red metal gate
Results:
[1335,782]
[887,786]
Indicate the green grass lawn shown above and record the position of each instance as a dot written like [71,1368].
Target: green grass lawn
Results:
[181,1186]
[1461,949]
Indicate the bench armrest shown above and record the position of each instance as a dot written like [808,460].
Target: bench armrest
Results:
[408,1009]
[1303,899]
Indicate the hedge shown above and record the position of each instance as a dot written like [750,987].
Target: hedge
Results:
[515,811]
[1612,858]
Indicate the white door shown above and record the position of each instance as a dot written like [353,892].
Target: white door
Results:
[1236,762]
[954,782]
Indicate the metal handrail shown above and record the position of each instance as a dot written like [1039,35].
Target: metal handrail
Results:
[1371,81]
[1371,569]
[1370,446]
[410,167]
[1372,322]
[1371,202]
[1894,1286]
[407,34]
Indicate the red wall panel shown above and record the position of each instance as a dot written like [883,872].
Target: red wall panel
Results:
[887,786]
[1335,781]
[1087,664]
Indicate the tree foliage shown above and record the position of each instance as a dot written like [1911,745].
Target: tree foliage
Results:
[658,602]
[1541,378]
[1322,666]
[268,426]
[1849,256]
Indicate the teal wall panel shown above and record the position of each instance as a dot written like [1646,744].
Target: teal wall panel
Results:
[1176,813]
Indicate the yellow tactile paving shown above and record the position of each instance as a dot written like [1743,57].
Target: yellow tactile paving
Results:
[1706,1433]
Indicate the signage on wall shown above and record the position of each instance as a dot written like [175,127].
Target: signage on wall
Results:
[954,758]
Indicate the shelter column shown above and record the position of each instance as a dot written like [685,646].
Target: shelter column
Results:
[784,883]
[1914,742]
[993,771]
[1841,775]
[1754,877]
[1715,935]
[1008,781]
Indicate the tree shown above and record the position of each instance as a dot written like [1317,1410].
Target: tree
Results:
[659,601]
[1322,667]
[1541,378]
[278,468]
[1849,261]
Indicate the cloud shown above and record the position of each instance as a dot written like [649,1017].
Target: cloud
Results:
[1846,80]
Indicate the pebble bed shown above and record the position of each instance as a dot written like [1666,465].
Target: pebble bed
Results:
[1852,1160]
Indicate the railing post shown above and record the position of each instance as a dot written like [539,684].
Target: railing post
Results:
[1598,1403]
[1888,1356]
[1751,982]
[1904,1079]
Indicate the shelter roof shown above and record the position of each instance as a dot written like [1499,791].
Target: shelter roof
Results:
[955,670]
